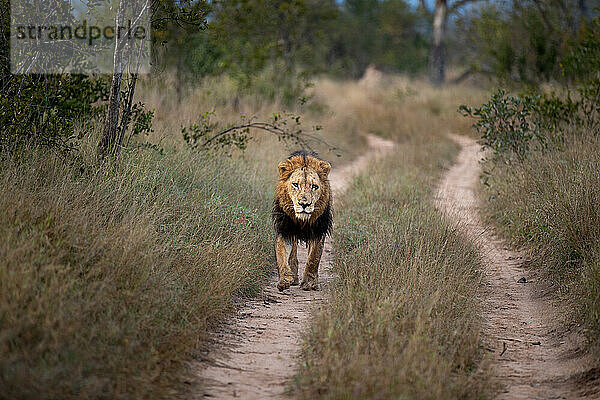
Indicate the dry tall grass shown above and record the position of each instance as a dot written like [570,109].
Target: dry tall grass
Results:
[399,108]
[403,321]
[110,279]
[220,94]
[550,205]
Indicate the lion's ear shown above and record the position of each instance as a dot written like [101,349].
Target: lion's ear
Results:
[325,167]
[283,167]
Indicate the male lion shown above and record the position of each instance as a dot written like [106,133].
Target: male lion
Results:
[302,212]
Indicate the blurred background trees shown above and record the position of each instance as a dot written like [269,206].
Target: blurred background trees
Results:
[273,47]
[522,41]
[505,39]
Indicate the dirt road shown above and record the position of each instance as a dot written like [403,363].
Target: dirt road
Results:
[534,355]
[256,351]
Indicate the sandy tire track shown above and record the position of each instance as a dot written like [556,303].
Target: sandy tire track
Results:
[534,355]
[255,353]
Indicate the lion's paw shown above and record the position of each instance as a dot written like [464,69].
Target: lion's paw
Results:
[310,284]
[284,283]
[296,281]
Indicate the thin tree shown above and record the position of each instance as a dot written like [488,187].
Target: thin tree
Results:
[127,59]
[125,56]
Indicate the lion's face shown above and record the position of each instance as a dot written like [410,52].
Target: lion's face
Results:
[305,188]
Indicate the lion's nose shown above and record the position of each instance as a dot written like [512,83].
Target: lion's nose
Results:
[303,205]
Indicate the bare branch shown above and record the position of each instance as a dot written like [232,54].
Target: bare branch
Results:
[202,136]
[462,76]
[300,138]
[458,4]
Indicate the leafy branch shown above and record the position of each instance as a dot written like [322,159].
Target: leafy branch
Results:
[507,124]
[206,134]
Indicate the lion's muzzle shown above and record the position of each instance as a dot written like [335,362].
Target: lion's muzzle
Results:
[303,210]
[304,207]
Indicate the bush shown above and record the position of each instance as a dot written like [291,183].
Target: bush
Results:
[512,126]
[507,124]
[46,108]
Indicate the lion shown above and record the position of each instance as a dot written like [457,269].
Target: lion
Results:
[302,212]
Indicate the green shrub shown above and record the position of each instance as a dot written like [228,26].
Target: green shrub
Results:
[46,108]
[513,125]
[507,124]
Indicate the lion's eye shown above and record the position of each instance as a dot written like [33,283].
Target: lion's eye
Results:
[295,185]
[315,187]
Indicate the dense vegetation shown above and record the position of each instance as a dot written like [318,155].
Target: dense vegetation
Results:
[273,47]
[542,182]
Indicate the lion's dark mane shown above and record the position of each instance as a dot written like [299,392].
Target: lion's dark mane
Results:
[291,230]
[304,154]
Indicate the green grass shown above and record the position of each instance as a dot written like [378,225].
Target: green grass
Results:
[550,205]
[403,321]
[110,278]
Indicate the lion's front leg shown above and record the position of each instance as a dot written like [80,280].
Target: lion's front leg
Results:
[311,272]
[283,251]
[293,263]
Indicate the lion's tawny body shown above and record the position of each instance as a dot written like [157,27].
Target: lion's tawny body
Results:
[302,212]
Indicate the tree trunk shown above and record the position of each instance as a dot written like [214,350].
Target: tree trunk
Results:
[284,37]
[582,14]
[108,142]
[110,137]
[437,56]
[126,118]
